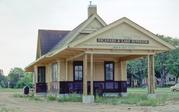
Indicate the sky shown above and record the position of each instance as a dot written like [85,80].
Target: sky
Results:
[21,19]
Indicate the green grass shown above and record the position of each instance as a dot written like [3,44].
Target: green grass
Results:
[70,98]
[29,97]
[10,90]
[138,96]
[51,98]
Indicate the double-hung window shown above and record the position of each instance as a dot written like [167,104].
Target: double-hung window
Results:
[78,71]
[54,72]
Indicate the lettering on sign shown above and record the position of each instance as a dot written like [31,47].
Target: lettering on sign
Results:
[130,41]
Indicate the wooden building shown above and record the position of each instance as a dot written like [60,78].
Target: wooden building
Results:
[92,58]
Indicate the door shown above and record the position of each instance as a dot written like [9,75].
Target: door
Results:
[109,71]
[41,85]
[41,74]
[77,77]
[109,75]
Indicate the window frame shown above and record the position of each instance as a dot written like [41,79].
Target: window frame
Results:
[77,63]
[41,78]
[105,63]
[54,77]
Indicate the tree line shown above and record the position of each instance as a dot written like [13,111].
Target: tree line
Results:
[165,63]
[16,78]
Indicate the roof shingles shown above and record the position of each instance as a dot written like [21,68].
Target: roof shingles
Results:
[49,39]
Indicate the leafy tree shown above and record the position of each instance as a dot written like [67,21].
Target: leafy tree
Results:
[3,81]
[165,63]
[137,69]
[18,78]
[173,63]
[14,76]
[26,80]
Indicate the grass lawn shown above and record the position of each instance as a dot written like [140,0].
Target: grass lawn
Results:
[10,90]
[136,96]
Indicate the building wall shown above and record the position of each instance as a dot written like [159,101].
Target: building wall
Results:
[98,68]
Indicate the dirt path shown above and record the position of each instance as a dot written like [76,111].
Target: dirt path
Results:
[8,103]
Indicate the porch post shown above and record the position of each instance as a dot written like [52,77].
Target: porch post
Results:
[35,77]
[66,64]
[48,77]
[36,74]
[86,98]
[123,78]
[91,75]
[58,75]
[85,64]
[151,76]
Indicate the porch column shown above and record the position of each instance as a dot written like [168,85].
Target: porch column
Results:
[85,67]
[35,74]
[123,70]
[35,77]
[66,64]
[123,78]
[48,76]
[91,75]
[86,98]
[58,76]
[151,76]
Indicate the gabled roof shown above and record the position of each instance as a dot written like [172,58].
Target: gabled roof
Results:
[68,38]
[49,38]
[120,21]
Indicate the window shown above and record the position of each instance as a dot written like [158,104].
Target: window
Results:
[78,71]
[109,71]
[54,72]
[41,74]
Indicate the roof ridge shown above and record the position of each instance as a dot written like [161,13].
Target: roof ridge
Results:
[65,39]
[75,30]
[52,30]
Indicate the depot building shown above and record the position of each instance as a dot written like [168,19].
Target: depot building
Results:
[92,58]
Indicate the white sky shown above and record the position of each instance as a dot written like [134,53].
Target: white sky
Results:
[21,19]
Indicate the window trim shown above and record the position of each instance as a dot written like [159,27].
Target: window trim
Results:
[56,76]
[74,64]
[39,77]
[109,62]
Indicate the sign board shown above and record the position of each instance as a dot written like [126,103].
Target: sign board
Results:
[130,41]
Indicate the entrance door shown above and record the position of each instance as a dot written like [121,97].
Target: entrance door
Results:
[78,71]
[109,71]
[109,75]
[41,74]
[77,77]
[41,85]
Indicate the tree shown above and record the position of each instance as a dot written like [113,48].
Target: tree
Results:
[173,63]
[165,63]
[3,81]
[18,78]
[14,76]
[26,80]
[137,69]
